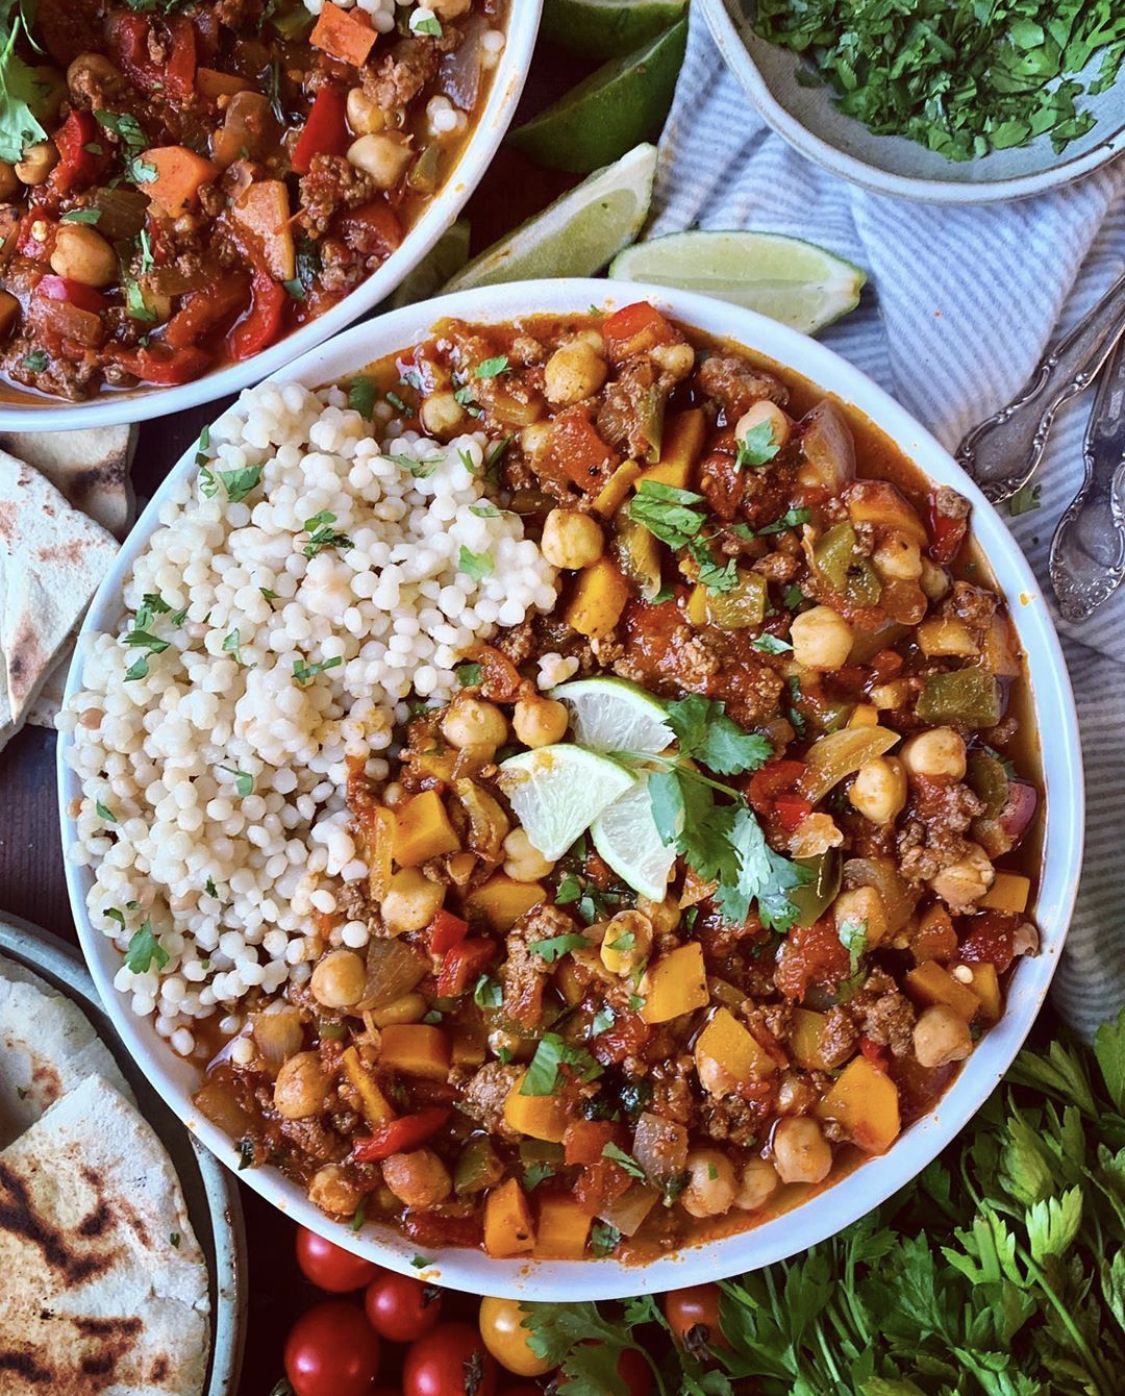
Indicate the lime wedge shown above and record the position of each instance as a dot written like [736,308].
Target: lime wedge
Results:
[556,792]
[577,234]
[792,281]
[626,837]
[447,256]
[606,28]
[624,102]
[615,715]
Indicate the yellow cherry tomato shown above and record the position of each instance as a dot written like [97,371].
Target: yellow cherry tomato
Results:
[501,1328]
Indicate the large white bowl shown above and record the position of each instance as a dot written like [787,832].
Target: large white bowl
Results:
[139,404]
[1055,714]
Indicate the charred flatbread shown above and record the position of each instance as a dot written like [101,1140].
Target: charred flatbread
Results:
[105,1289]
[90,468]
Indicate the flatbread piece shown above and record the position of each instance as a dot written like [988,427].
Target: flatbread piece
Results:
[90,468]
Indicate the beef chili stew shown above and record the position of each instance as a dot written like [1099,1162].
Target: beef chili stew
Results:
[705,883]
[183,185]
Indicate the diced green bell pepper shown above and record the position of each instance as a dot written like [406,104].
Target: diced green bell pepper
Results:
[988,779]
[479,1166]
[964,697]
[738,609]
[813,898]
[833,555]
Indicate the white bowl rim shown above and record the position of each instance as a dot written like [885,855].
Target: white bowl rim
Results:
[878,1178]
[143,404]
[879,181]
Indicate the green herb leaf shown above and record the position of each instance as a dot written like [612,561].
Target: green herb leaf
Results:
[82,215]
[770,644]
[469,675]
[716,577]
[626,1161]
[488,992]
[104,812]
[792,518]
[492,368]
[303,672]
[20,92]
[853,937]
[323,536]
[668,513]
[555,947]
[239,483]
[536,1173]
[603,1020]
[474,565]
[143,949]
[569,890]
[361,396]
[552,1053]
[243,781]
[757,447]
[705,733]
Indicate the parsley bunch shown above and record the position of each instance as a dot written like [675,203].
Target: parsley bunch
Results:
[1000,1270]
[21,91]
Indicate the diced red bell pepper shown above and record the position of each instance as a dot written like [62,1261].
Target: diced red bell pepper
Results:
[635,329]
[261,325]
[462,966]
[325,131]
[374,229]
[791,811]
[873,1053]
[78,166]
[179,71]
[202,312]
[575,448]
[64,288]
[446,931]
[947,530]
[399,1136]
[162,365]
[128,37]
[778,778]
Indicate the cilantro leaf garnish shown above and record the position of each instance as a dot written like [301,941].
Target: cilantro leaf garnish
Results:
[770,644]
[143,949]
[716,577]
[243,781]
[626,1161]
[668,513]
[492,368]
[361,396]
[302,672]
[469,674]
[792,518]
[488,992]
[474,565]
[239,483]
[20,91]
[853,937]
[555,947]
[322,535]
[552,1053]
[758,447]
[704,732]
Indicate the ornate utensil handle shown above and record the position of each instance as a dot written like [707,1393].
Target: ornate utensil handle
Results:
[1001,454]
[1087,561]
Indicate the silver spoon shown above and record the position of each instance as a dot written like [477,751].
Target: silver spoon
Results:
[1087,560]
[1002,452]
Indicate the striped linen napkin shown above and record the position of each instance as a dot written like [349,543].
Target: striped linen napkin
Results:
[960,305]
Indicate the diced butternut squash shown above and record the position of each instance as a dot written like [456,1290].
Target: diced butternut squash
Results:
[438,763]
[986,986]
[211,83]
[806,1039]
[1009,892]
[562,1230]
[539,1116]
[675,984]
[380,834]
[415,1049]
[681,448]
[346,35]
[600,594]
[376,1107]
[612,494]
[864,715]
[883,504]
[864,1101]
[461,867]
[502,900]
[727,1045]
[929,983]
[942,636]
[424,831]
[180,174]
[262,212]
[508,1226]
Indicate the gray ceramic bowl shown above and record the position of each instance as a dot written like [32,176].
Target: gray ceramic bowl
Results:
[810,121]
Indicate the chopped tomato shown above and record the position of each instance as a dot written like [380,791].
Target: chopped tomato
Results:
[791,811]
[373,229]
[599,1184]
[778,778]
[261,325]
[585,1140]
[401,1135]
[78,165]
[500,680]
[325,131]
[625,1038]
[435,1229]
[463,964]
[810,955]
[634,330]
[64,288]
[875,1054]
[947,530]
[446,931]
[203,312]
[30,246]
[159,364]
[179,69]
[576,450]
[991,939]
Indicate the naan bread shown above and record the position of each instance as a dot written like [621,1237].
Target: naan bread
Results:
[105,1289]
[90,468]
[47,1047]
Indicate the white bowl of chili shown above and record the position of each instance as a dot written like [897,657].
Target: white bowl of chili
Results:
[499,92]
[822,1211]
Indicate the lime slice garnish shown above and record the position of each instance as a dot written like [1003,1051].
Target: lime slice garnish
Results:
[792,281]
[615,715]
[577,234]
[447,256]
[556,792]
[624,102]
[606,28]
[626,837]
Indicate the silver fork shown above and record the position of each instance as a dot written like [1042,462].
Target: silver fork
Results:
[1087,560]
[1002,452]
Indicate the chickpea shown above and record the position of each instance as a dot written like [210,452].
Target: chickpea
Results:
[898,558]
[384,158]
[334,1192]
[934,580]
[82,254]
[412,901]
[781,427]
[796,1094]
[941,1036]
[862,905]
[571,539]
[301,1087]
[665,915]
[540,721]
[676,360]
[757,1184]
[364,116]
[534,438]
[339,979]
[938,752]
[450,9]
[879,789]
[711,1184]
[627,942]
[89,70]
[418,1178]
[522,860]
[442,414]
[411,1008]
[966,881]
[9,183]
[573,372]
[801,1154]
[37,163]
[821,638]
[474,722]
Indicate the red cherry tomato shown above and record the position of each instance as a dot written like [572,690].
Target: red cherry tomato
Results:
[694,1308]
[635,1372]
[331,1267]
[449,1361]
[331,1351]
[401,1309]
